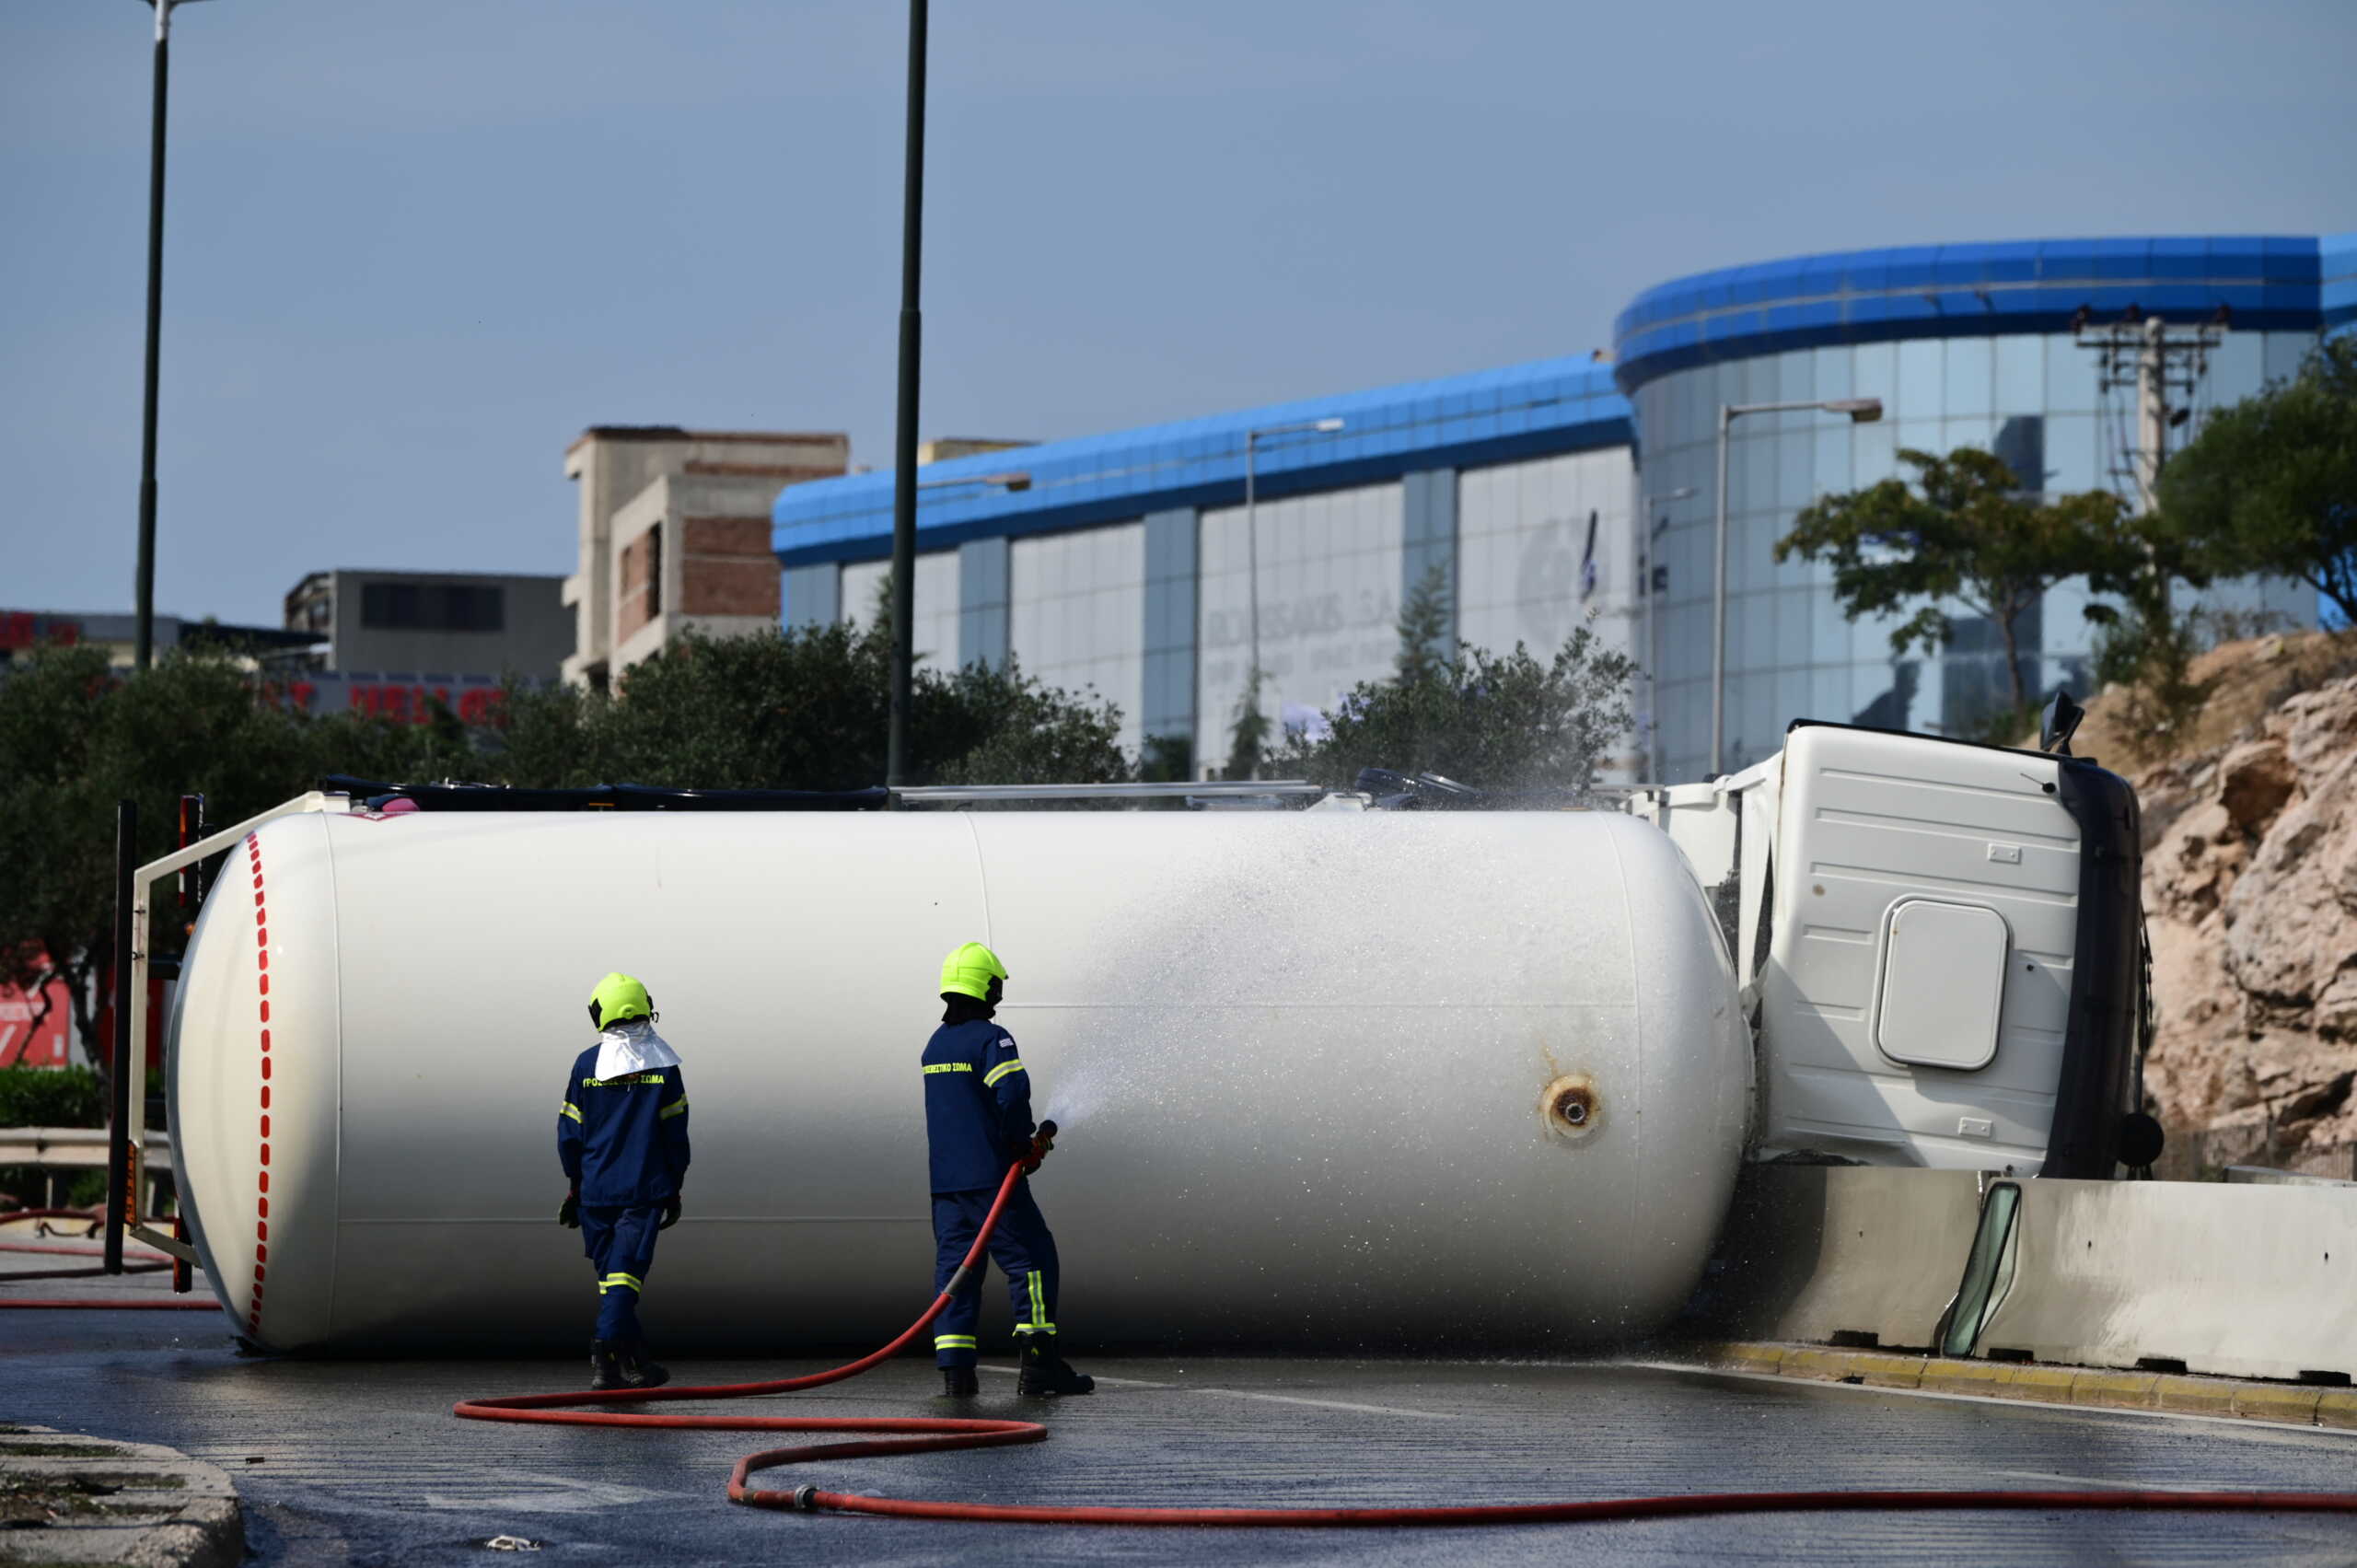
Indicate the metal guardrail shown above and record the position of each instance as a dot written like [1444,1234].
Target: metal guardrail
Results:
[69,1147]
[86,1148]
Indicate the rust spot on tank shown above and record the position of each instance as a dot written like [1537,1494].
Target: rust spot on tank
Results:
[1571,1108]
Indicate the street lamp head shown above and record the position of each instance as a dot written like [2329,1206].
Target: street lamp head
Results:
[1862,411]
[1298,427]
[1016,481]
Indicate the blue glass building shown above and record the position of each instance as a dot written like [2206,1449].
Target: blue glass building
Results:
[1537,495]
[1962,345]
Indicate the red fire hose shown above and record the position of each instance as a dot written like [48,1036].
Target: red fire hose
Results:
[917,1435]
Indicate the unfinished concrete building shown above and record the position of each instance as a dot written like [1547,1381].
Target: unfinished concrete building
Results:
[675,535]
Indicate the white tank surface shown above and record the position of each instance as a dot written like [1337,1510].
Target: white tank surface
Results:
[1355,1080]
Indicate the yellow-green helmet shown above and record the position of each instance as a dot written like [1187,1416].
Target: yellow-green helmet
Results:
[969,971]
[619,996]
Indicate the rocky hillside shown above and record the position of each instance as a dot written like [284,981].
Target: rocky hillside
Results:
[2250,889]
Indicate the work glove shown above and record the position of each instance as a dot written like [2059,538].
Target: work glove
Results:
[1042,1141]
[670,1214]
[568,1213]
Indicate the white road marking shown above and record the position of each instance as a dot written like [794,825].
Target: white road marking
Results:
[1273,1399]
[2101,1482]
[1124,1382]
[1120,1382]
[1330,1404]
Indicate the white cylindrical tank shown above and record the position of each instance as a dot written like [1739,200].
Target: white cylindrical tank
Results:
[1347,1080]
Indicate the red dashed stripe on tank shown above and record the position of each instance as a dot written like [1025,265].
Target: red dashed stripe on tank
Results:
[261,1183]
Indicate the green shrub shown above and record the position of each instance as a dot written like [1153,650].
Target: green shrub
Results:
[51,1097]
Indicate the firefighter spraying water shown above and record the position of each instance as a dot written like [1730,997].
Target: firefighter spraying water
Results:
[978,1121]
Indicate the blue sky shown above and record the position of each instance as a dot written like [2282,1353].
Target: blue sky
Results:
[414,248]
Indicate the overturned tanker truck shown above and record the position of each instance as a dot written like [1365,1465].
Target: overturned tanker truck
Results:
[1344,1075]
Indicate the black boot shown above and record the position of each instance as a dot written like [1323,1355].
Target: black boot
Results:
[603,1373]
[959,1383]
[635,1370]
[1045,1374]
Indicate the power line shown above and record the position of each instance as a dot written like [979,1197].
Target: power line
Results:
[2165,367]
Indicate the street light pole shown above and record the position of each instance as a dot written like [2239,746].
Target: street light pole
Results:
[143,647]
[1648,570]
[1719,606]
[904,433]
[1252,536]
[1862,411]
[1252,570]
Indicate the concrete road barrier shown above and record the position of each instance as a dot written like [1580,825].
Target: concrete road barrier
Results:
[2236,1281]
[2284,1403]
[1844,1254]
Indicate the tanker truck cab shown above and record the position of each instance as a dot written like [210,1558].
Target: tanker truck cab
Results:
[1940,946]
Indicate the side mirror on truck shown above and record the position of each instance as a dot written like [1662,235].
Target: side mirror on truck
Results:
[2058,724]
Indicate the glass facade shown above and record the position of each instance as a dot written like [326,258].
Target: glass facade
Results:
[1543,548]
[1078,615]
[936,629]
[2033,399]
[1330,571]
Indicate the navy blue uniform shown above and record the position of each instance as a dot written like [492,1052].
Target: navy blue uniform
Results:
[624,1144]
[978,1121]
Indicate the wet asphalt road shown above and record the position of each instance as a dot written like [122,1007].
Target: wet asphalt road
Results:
[361,1463]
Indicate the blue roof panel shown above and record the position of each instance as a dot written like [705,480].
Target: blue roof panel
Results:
[1556,405]
[2013,262]
[2186,259]
[2337,263]
[2270,282]
[2120,259]
[1912,266]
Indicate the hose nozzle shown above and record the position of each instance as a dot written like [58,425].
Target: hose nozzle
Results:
[1042,1140]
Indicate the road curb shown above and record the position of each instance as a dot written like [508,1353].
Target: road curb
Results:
[2296,1404]
[110,1502]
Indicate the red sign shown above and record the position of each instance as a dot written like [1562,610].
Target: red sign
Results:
[22,629]
[24,1043]
[399,701]
[159,1005]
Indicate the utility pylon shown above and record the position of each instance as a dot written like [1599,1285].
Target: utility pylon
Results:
[2164,365]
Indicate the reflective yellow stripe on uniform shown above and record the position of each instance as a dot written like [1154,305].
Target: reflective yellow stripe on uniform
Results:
[622,1282]
[678,1108]
[933,1067]
[1000,1071]
[953,1342]
[569,1108]
[1040,1305]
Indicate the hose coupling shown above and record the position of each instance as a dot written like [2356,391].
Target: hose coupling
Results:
[806,1499]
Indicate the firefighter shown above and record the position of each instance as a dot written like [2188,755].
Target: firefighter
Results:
[621,1133]
[978,1121]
